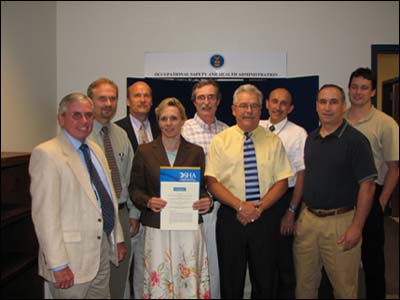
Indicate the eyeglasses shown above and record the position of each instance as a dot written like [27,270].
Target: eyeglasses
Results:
[210,97]
[77,116]
[244,106]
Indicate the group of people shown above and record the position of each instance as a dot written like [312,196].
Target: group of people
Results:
[273,200]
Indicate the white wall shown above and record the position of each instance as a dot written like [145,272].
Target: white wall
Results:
[28,74]
[329,39]
[102,38]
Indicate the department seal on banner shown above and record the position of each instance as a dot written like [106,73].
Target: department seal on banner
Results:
[217,60]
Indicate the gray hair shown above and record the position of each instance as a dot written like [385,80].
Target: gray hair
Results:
[204,82]
[72,98]
[249,88]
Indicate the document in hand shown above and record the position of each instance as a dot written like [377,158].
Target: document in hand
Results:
[180,187]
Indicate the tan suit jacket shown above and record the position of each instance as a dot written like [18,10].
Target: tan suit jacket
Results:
[65,211]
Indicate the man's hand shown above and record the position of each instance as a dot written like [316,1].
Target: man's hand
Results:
[64,278]
[121,250]
[249,212]
[288,223]
[351,238]
[134,226]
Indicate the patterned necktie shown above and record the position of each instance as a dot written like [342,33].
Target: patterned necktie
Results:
[250,169]
[107,207]
[111,161]
[272,128]
[143,139]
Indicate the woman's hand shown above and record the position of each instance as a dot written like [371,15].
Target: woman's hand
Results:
[156,204]
[203,205]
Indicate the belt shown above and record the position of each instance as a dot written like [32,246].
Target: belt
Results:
[329,212]
[121,205]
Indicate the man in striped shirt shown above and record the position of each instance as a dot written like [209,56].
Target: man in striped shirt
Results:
[200,130]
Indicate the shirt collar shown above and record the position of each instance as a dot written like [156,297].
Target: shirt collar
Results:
[337,133]
[259,129]
[278,126]
[202,124]
[97,126]
[137,123]
[75,143]
[366,118]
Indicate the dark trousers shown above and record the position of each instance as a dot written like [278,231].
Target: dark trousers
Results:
[254,244]
[372,250]
[285,279]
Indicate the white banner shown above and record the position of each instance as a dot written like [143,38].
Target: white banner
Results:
[215,65]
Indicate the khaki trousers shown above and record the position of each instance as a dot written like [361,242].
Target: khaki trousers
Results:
[98,288]
[315,245]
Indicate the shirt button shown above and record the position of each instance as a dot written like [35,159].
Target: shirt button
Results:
[99,220]
[99,237]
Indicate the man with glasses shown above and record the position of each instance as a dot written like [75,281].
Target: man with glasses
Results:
[247,171]
[114,141]
[74,207]
[200,130]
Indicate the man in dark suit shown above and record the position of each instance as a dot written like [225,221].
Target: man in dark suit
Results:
[140,130]
[139,100]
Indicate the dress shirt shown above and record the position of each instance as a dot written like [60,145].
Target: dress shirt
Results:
[199,133]
[123,153]
[225,160]
[136,126]
[293,138]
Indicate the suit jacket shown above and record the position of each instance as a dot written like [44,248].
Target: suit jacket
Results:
[145,179]
[65,211]
[126,124]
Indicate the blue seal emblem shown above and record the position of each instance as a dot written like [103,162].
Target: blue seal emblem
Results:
[217,61]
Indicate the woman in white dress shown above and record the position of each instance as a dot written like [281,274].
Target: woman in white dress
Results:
[175,261]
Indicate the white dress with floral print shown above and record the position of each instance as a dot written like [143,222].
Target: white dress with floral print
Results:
[175,264]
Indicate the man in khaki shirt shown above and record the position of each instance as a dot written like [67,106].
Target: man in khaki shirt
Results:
[382,132]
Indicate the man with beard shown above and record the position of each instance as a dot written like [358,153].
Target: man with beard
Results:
[115,143]
[200,130]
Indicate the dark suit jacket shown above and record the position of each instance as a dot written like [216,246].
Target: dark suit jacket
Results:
[145,178]
[126,124]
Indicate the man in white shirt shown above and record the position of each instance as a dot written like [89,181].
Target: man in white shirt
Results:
[279,105]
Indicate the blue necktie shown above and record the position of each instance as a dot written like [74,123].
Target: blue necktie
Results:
[250,169]
[107,207]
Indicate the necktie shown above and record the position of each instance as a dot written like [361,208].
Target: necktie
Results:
[250,169]
[111,161]
[272,128]
[107,207]
[143,139]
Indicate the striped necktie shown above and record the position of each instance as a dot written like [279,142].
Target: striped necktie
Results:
[107,207]
[108,149]
[250,169]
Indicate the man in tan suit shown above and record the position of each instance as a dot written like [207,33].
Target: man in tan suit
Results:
[74,207]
